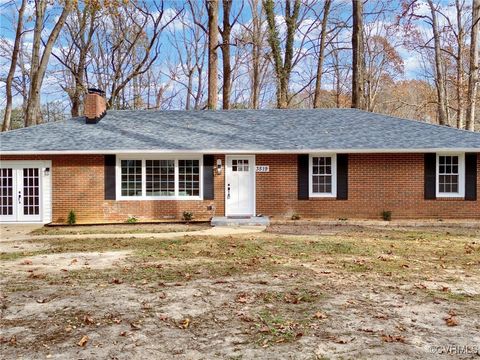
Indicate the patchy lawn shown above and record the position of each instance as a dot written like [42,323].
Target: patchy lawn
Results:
[341,292]
[119,229]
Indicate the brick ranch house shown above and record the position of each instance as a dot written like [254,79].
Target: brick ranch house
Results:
[334,163]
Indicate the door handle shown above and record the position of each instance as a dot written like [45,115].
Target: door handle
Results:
[19,197]
[228,191]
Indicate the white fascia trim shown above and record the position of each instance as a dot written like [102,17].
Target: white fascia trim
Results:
[239,152]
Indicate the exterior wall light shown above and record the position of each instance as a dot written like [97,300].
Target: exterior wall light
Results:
[46,172]
[219,166]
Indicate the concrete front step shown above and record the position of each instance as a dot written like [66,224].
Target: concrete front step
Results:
[240,221]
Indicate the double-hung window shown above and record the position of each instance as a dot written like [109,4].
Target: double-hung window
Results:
[450,175]
[159,178]
[323,175]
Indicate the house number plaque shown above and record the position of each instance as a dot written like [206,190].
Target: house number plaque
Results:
[262,168]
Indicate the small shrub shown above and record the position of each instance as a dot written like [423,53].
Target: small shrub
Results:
[295,216]
[72,218]
[132,220]
[386,215]
[187,216]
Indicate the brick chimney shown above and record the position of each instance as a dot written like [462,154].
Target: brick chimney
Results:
[95,106]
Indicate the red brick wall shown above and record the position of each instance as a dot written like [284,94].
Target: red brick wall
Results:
[78,184]
[377,182]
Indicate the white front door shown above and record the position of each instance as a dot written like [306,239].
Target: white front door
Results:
[20,193]
[240,186]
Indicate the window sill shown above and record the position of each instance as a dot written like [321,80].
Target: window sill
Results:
[450,195]
[157,198]
[450,198]
[315,197]
[322,196]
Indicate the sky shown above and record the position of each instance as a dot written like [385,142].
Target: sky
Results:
[341,10]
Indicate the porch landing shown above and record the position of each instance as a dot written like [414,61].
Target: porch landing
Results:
[240,221]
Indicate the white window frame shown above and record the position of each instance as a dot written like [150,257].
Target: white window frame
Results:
[143,158]
[461,176]
[332,194]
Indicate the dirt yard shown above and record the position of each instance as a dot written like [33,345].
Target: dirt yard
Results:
[337,292]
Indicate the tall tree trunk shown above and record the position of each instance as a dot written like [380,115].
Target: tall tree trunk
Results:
[33,105]
[474,69]
[33,115]
[460,72]
[321,54]
[256,53]
[282,70]
[358,65]
[13,65]
[227,69]
[189,90]
[439,69]
[212,7]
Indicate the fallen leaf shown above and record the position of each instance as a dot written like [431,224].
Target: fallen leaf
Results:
[163,317]
[116,281]
[88,320]
[123,333]
[135,326]
[320,315]
[367,330]
[185,323]
[26,262]
[451,321]
[83,341]
[264,329]
[393,338]
[13,340]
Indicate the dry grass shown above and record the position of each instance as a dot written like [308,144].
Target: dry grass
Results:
[272,295]
[119,229]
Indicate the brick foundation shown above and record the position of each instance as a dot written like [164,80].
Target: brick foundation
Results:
[377,182]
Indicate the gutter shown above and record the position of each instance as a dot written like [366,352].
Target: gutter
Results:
[222,151]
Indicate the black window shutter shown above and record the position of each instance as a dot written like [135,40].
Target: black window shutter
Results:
[430,169]
[208,186]
[303,180]
[471,176]
[109,175]
[342,176]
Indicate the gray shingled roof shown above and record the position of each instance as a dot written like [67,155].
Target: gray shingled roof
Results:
[238,130]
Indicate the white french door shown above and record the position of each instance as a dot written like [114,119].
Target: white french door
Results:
[240,186]
[20,194]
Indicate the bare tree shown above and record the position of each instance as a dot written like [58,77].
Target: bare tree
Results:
[474,66]
[13,66]
[252,40]
[225,32]
[282,69]
[39,61]
[321,54]
[358,65]
[79,35]
[127,45]
[190,44]
[212,8]
[439,67]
